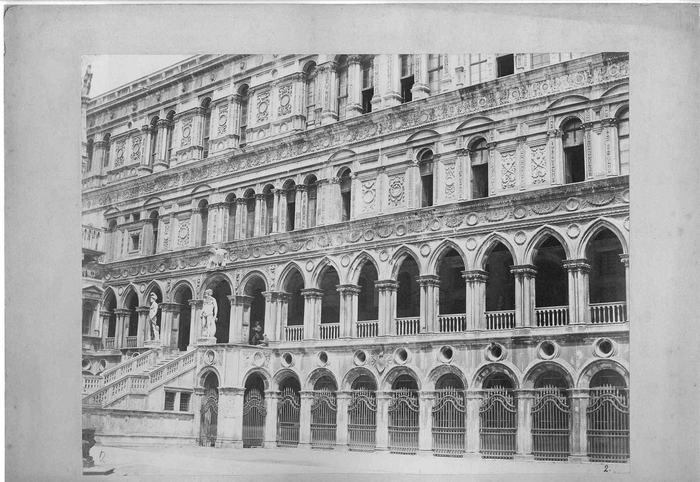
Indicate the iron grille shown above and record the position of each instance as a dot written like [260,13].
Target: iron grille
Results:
[608,419]
[404,421]
[254,412]
[324,410]
[184,402]
[209,417]
[449,423]
[550,424]
[288,418]
[169,401]
[498,427]
[362,421]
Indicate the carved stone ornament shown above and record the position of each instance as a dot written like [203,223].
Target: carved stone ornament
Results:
[538,168]
[396,190]
[136,148]
[285,99]
[186,132]
[218,258]
[450,181]
[381,361]
[223,119]
[263,101]
[508,171]
[369,194]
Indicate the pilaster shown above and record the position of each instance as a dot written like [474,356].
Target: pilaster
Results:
[271,398]
[195,322]
[524,435]
[383,401]
[425,434]
[307,397]
[474,399]
[341,441]
[579,399]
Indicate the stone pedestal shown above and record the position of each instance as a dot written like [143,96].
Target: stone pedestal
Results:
[206,340]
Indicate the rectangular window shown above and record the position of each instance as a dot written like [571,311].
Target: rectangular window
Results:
[434,72]
[135,242]
[506,65]
[407,78]
[169,401]
[367,100]
[342,90]
[539,60]
[477,69]
[184,402]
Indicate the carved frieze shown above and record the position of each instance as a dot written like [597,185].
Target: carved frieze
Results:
[538,166]
[508,178]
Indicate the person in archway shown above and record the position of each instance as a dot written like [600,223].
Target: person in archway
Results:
[257,334]
[152,312]
[209,312]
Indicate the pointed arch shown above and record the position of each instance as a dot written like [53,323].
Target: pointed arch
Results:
[204,373]
[154,284]
[318,373]
[355,373]
[441,370]
[358,263]
[439,253]
[176,289]
[587,371]
[487,369]
[541,235]
[594,229]
[487,245]
[539,367]
[109,291]
[287,272]
[399,257]
[129,289]
[396,371]
[213,279]
[320,270]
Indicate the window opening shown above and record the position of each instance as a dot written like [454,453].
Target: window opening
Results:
[407,77]
[506,65]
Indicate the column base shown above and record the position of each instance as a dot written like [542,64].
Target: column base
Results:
[524,458]
[424,453]
[342,448]
[578,459]
[304,446]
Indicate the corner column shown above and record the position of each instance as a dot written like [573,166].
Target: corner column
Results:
[341,436]
[104,316]
[383,400]
[312,311]
[307,397]
[429,302]
[523,446]
[387,304]
[270,440]
[524,294]
[348,310]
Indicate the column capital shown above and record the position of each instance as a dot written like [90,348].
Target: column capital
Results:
[609,122]
[475,275]
[196,303]
[382,395]
[473,394]
[170,307]
[554,133]
[354,59]
[199,391]
[142,309]
[427,396]
[105,314]
[163,123]
[348,288]
[146,129]
[259,197]
[244,300]
[272,394]
[306,394]
[577,265]
[625,258]
[301,187]
[122,312]
[235,391]
[387,285]
[312,293]
[524,269]
[241,200]
[588,125]
[428,280]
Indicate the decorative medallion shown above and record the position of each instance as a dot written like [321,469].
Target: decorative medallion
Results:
[626,195]
[472,219]
[309,265]
[572,204]
[310,244]
[369,235]
[425,250]
[282,248]
[626,223]
[573,231]
[545,208]
[519,212]
[435,224]
[385,231]
[338,240]
[210,357]
[384,255]
[520,237]
[256,252]
[121,290]
[471,244]
[400,230]
[142,288]
[345,261]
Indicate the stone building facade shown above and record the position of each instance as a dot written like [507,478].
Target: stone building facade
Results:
[435,248]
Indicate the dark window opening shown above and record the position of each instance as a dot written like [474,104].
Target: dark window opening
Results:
[406,85]
[367,100]
[574,165]
[506,65]
[184,402]
[169,401]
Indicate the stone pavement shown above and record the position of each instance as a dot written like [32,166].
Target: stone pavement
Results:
[192,461]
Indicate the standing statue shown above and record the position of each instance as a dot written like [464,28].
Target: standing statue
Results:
[257,334]
[87,80]
[209,312]
[152,312]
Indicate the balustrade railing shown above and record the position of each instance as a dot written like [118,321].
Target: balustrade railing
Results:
[500,320]
[128,366]
[408,326]
[109,343]
[131,342]
[367,329]
[608,312]
[294,333]
[452,323]
[329,331]
[552,316]
[91,383]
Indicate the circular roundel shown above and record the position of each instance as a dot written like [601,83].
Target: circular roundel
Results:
[495,352]
[322,359]
[210,357]
[401,356]
[359,358]
[547,350]
[604,348]
[287,360]
[446,354]
[258,359]
[86,363]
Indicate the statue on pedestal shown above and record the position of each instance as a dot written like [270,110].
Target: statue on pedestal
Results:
[154,331]
[209,312]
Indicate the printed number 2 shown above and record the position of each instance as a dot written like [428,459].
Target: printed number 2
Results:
[606,469]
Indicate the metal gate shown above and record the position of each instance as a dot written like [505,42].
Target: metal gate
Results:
[362,421]
[208,418]
[550,424]
[608,419]
[449,423]
[288,418]
[254,412]
[498,424]
[324,410]
[403,421]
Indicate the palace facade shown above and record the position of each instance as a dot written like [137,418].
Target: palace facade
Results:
[420,254]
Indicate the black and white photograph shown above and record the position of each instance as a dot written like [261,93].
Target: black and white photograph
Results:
[333,261]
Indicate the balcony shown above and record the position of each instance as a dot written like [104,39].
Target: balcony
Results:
[329,331]
[452,323]
[367,329]
[500,320]
[609,312]
[552,316]
[294,333]
[93,240]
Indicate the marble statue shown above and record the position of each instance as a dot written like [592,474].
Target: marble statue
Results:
[209,312]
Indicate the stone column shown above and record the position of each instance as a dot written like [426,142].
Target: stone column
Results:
[196,402]
[122,327]
[524,295]
[275,308]
[420,89]
[195,311]
[610,147]
[524,435]
[104,316]
[348,310]
[354,103]
[476,298]
[234,120]
[578,270]
[271,397]
[341,437]
[474,399]
[579,399]
[554,148]
[425,435]
[169,322]
[327,78]
[141,333]
[161,163]
[99,150]
[146,140]
[383,400]
[588,128]
[429,302]
[392,96]
[240,318]
[259,207]
[376,70]
[312,311]
[625,258]
[240,228]
[300,206]
[387,305]
[307,397]
[276,210]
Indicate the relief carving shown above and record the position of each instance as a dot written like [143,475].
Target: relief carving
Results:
[263,101]
[136,148]
[120,148]
[223,119]
[285,100]
[396,190]
[186,132]
[508,171]
[450,181]
[538,166]
[369,194]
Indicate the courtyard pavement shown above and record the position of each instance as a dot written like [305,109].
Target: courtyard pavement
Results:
[201,463]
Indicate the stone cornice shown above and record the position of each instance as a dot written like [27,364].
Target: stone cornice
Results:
[442,108]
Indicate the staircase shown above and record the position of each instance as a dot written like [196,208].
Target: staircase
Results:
[140,378]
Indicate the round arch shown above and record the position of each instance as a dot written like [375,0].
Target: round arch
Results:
[487,369]
[264,374]
[177,288]
[358,263]
[316,374]
[539,237]
[567,117]
[539,367]
[594,366]
[399,257]
[251,277]
[214,279]
[204,373]
[395,372]
[620,110]
[487,245]
[282,375]
[594,229]
[439,371]
[439,253]
[355,373]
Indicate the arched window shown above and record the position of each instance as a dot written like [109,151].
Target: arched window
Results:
[479,157]
[342,86]
[345,195]
[107,140]
[269,208]
[243,120]
[250,214]
[206,104]
[453,288]
[407,77]
[90,149]
[572,142]
[204,222]
[154,140]
[231,228]
[154,221]
[367,68]
[169,135]
[88,312]
[435,64]
[289,193]
[623,139]
[312,194]
[425,164]
[310,94]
